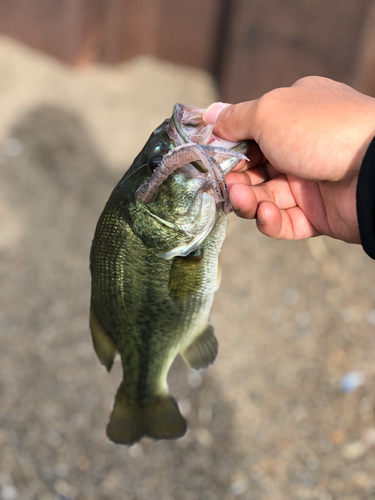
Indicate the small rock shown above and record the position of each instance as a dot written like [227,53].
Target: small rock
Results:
[291,296]
[83,462]
[64,489]
[195,379]
[325,496]
[8,492]
[369,436]
[136,450]
[303,319]
[3,437]
[349,315]
[205,414]
[185,407]
[371,317]
[338,436]
[318,248]
[364,480]
[61,470]
[354,450]
[203,436]
[13,147]
[352,381]
[238,487]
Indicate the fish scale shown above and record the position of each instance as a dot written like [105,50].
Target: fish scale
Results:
[154,272]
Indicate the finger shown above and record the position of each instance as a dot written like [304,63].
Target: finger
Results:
[233,122]
[250,177]
[244,201]
[245,198]
[289,224]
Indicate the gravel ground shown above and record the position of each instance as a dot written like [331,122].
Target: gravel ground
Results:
[270,420]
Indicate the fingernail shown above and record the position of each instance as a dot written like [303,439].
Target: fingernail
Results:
[212,112]
[260,216]
[233,201]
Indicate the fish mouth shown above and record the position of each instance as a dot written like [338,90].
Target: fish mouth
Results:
[187,126]
[195,144]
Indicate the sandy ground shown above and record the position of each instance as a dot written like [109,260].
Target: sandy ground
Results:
[268,421]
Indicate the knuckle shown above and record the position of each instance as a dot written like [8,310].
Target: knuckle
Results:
[268,102]
[313,82]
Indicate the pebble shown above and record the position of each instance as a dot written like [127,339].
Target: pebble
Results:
[136,450]
[238,487]
[338,436]
[64,489]
[203,436]
[303,319]
[8,492]
[195,379]
[3,437]
[205,414]
[354,450]
[349,315]
[364,480]
[318,248]
[352,381]
[83,462]
[369,436]
[184,406]
[371,317]
[61,470]
[13,147]
[291,296]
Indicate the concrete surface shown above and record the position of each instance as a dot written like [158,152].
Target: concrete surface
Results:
[269,421]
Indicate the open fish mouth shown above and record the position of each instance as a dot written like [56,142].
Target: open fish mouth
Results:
[187,126]
[195,143]
[188,122]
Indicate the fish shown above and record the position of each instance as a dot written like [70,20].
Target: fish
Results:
[154,270]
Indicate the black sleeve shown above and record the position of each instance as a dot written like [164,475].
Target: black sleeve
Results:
[366,201]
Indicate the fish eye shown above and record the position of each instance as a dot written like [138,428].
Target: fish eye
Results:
[155,161]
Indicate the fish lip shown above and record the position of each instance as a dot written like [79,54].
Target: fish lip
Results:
[177,119]
[195,114]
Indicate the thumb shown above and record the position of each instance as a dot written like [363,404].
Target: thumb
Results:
[233,122]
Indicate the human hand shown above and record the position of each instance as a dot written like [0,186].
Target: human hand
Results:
[310,140]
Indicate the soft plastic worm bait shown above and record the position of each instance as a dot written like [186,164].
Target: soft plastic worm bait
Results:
[182,155]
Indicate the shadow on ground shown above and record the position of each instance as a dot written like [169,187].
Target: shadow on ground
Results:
[55,396]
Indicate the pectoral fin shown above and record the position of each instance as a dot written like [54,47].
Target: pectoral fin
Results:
[186,276]
[203,350]
[104,347]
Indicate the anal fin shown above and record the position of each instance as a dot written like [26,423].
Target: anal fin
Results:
[104,346]
[202,352]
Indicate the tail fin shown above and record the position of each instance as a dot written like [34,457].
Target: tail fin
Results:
[160,420]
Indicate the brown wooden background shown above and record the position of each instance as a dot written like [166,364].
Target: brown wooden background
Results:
[250,46]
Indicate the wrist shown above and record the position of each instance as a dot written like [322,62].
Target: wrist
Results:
[365,198]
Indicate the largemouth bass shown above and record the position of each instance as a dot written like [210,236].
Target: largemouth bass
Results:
[154,266]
